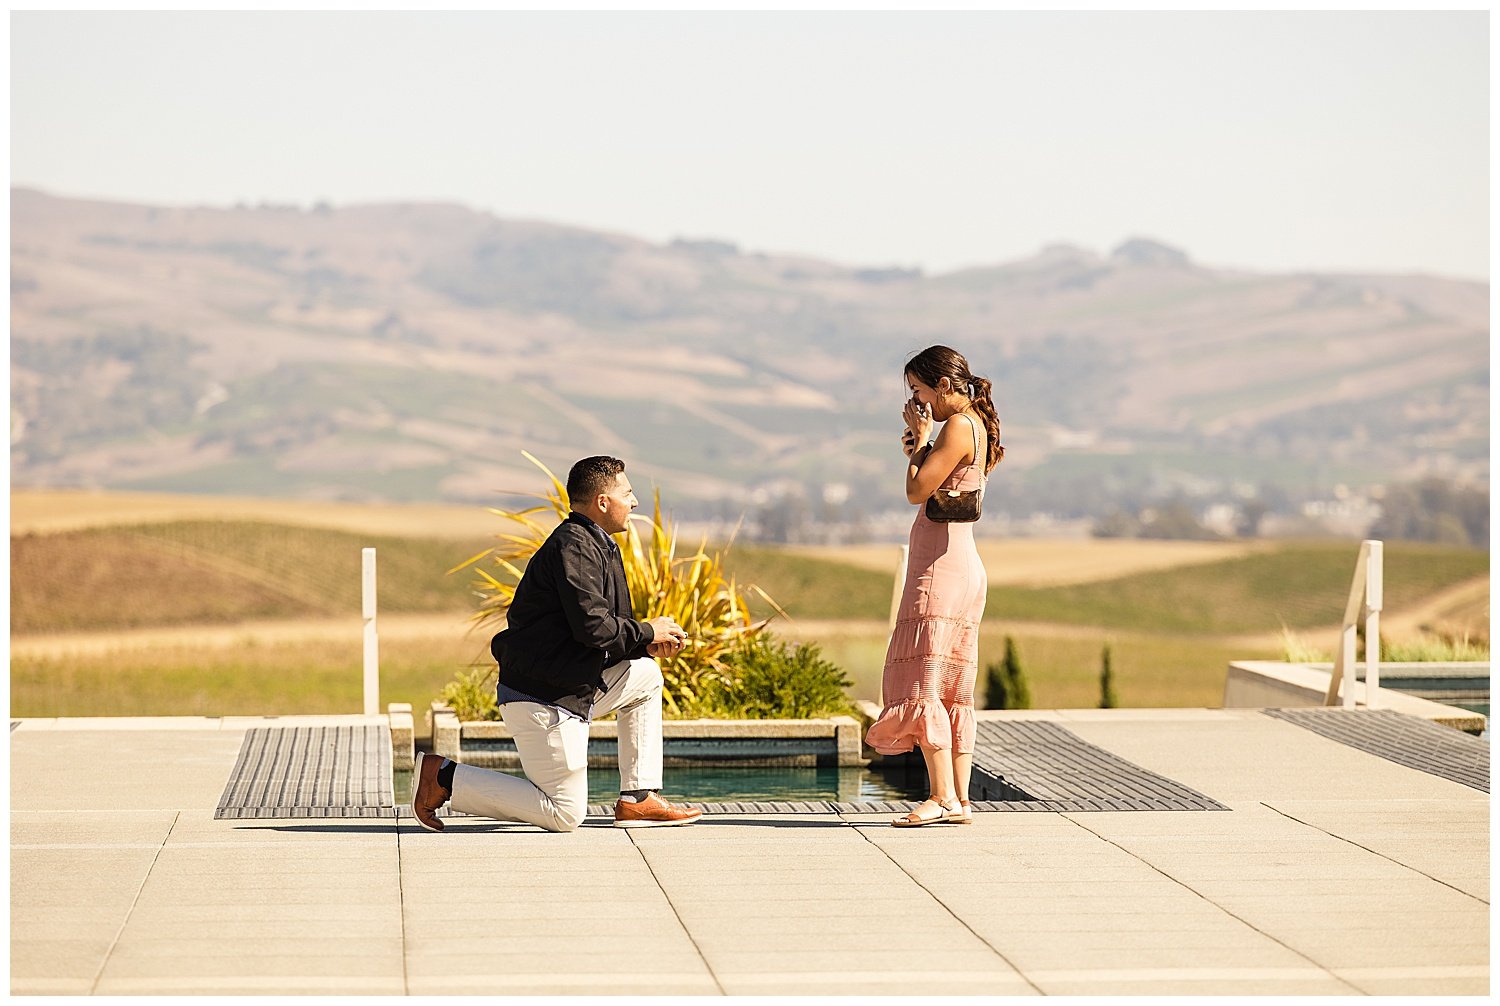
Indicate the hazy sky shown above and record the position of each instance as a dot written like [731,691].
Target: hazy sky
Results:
[1272,141]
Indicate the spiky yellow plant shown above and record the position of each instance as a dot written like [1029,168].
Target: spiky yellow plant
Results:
[495,593]
[693,589]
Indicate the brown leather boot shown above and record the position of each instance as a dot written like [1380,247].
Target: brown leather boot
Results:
[653,812]
[427,794]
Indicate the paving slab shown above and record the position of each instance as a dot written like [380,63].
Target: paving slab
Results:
[1331,872]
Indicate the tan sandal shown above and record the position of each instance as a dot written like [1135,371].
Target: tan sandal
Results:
[966,815]
[915,819]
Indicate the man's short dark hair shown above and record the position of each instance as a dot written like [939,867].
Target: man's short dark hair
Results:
[592,476]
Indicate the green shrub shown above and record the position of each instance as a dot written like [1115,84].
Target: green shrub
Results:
[772,679]
[471,694]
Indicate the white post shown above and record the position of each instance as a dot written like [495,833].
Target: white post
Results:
[372,642]
[1366,595]
[1343,660]
[896,591]
[1347,655]
[1374,591]
[899,585]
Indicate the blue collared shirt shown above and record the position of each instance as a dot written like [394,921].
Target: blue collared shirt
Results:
[504,695]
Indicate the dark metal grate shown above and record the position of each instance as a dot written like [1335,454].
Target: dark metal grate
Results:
[332,771]
[1037,765]
[1406,740]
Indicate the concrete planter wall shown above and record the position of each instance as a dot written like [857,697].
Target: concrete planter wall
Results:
[1274,684]
[403,736]
[750,743]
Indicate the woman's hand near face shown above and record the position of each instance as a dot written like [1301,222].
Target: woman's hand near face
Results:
[918,419]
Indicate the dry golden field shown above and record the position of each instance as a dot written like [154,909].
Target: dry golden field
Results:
[1021,562]
[276,639]
[35,511]
[1054,562]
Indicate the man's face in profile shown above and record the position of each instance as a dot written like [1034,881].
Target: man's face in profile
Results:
[618,501]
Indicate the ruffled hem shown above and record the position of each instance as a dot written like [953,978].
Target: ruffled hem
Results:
[927,723]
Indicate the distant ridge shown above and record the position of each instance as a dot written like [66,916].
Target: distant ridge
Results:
[409,352]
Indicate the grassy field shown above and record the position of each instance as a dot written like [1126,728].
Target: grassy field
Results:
[194,572]
[253,678]
[1297,584]
[1150,671]
[191,572]
[48,511]
[324,675]
[810,588]
[1051,562]
[173,608]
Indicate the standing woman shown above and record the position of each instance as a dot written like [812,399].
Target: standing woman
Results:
[933,658]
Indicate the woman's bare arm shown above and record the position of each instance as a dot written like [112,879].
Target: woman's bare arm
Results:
[927,468]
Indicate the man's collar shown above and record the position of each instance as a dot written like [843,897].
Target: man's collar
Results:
[591,524]
[580,516]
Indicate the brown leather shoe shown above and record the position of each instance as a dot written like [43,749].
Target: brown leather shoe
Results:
[427,794]
[653,812]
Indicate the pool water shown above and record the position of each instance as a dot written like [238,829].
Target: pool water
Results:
[728,784]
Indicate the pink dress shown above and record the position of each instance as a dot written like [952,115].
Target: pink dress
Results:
[933,657]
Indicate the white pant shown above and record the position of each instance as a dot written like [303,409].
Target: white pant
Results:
[554,754]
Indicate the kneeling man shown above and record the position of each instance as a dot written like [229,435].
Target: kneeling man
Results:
[571,651]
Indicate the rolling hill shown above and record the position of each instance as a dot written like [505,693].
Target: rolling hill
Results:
[409,352]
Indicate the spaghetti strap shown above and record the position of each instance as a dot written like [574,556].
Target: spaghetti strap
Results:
[975,428]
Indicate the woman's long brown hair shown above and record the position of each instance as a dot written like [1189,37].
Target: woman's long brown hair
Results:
[937,362]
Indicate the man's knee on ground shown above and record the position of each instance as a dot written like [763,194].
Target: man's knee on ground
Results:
[566,819]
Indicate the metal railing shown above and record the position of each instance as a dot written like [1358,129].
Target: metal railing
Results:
[1365,600]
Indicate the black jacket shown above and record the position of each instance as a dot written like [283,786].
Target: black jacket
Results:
[570,619]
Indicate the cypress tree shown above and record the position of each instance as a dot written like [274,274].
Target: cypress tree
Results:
[1018,691]
[996,695]
[1107,697]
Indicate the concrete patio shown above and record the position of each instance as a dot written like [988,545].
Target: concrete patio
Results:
[1334,871]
